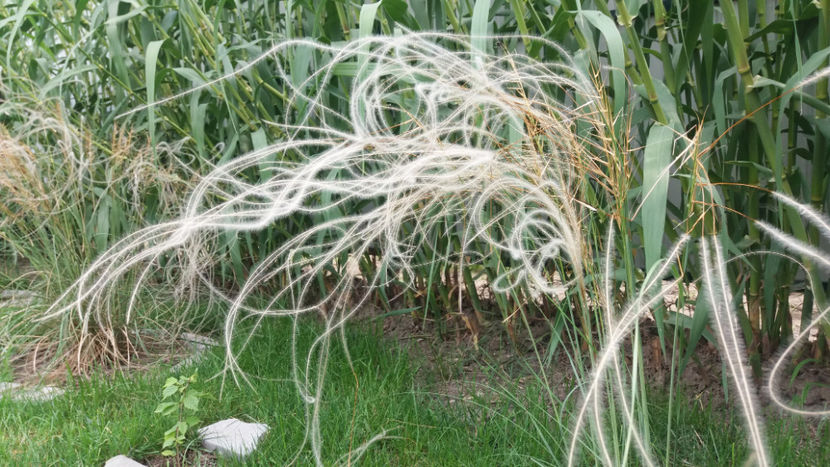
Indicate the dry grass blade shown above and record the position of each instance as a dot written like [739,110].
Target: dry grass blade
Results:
[63,198]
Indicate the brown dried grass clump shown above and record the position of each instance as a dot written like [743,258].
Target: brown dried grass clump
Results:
[65,198]
[20,188]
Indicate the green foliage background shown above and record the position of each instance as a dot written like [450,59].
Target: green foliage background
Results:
[723,74]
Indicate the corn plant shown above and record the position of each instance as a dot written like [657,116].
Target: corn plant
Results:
[672,67]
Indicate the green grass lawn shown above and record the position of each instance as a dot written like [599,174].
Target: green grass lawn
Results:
[102,417]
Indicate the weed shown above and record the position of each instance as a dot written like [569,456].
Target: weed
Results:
[184,404]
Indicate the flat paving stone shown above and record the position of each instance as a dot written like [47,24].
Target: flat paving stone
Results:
[122,461]
[199,345]
[16,298]
[232,437]
[18,392]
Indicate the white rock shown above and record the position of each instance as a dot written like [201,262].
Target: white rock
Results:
[122,461]
[198,345]
[19,393]
[16,298]
[232,437]
[8,387]
[41,394]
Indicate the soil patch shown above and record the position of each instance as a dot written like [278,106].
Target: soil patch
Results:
[190,458]
[466,368]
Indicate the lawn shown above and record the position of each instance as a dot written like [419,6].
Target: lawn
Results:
[395,391]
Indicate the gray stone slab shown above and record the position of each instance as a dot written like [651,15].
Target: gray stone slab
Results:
[232,437]
[198,344]
[122,461]
[19,392]
[16,298]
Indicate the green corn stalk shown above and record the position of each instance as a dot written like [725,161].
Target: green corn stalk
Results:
[761,122]
[818,185]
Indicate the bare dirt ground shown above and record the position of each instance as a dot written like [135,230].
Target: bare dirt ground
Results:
[465,372]
[191,458]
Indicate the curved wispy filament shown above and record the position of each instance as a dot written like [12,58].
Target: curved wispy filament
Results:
[719,297]
[431,143]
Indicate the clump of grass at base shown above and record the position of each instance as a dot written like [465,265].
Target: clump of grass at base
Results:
[703,435]
[67,198]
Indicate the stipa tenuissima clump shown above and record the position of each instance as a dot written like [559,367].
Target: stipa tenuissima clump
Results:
[434,140]
[438,139]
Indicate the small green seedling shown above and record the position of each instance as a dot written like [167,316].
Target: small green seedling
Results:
[184,404]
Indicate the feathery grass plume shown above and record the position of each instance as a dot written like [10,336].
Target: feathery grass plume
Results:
[432,143]
[619,328]
[719,297]
[822,259]
[789,242]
